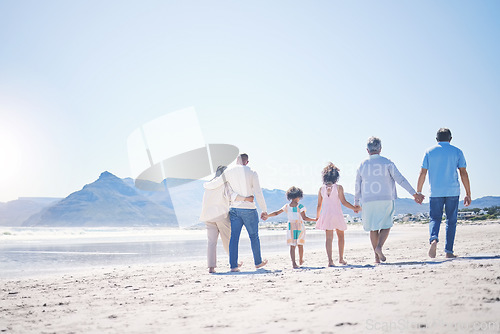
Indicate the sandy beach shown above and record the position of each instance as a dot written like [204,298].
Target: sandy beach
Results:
[409,294]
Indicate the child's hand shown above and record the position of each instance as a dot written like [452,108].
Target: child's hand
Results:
[357,208]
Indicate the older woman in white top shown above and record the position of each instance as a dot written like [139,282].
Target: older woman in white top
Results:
[215,214]
[376,191]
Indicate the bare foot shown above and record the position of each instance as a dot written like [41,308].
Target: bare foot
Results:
[295,266]
[262,264]
[240,264]
[235,270]
[432,250]
[211,270]
[450,256]
[331,264]
[301,261]
[381,255]
[342,261]
[377,259]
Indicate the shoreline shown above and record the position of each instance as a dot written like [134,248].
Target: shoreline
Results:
[411,293]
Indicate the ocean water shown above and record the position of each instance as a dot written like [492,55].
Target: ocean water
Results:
[26,252]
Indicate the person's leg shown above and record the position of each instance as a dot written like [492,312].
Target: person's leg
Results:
[328,244]
[251,222]
[292,255]
[451,208]
[341,242]
[382,237]
[436,205]
[212,235]
[374,237]
[301,254]
[224,227]
[236,225]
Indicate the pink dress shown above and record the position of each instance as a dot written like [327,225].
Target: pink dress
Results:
[331,216]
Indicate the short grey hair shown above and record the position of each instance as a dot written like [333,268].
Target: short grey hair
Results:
[374,145]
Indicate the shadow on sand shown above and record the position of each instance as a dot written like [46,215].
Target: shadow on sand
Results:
[479,257]
[409,263]
[255,272]
[366,266]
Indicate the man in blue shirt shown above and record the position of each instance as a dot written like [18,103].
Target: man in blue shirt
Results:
[442,161]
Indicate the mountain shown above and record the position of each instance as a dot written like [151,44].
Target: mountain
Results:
[182,196]
[483,202]
[109,201]
[14,213]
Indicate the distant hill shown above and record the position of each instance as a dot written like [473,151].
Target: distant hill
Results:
[181,196]
[14,213]
[109,201]
[483,202]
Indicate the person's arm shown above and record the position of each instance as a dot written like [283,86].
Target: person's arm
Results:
[244,198]
[340,190]
[257,190]
[400,179]
[275,213]
[403,182]
[420,184]
[320,202]
[421,179]
[357,188]
[235,196]
[465,180]
[304,217]
[215,183]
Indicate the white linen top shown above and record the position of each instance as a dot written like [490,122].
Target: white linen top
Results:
[215,203]
[243,182]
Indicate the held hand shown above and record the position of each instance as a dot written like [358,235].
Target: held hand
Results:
[264,216]
[467,201]
[419,198]
[357,208]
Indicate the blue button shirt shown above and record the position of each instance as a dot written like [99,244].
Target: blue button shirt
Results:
[442,162]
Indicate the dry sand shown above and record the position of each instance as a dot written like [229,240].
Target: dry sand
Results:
[411,293]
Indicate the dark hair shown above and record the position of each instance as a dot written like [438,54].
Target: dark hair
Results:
[244,157]
[330,173]
[220,170]
[443,134]
[293,193]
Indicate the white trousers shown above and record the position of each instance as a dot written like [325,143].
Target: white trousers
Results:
[213,229]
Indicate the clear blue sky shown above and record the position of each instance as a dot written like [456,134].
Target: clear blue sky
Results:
[295,84]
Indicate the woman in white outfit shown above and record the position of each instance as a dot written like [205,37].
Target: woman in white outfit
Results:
[215,214]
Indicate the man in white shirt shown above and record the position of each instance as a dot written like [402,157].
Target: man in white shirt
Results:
[243,182]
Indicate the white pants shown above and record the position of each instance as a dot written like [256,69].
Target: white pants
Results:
[213,229]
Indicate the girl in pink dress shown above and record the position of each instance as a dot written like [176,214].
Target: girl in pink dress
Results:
[329,212]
